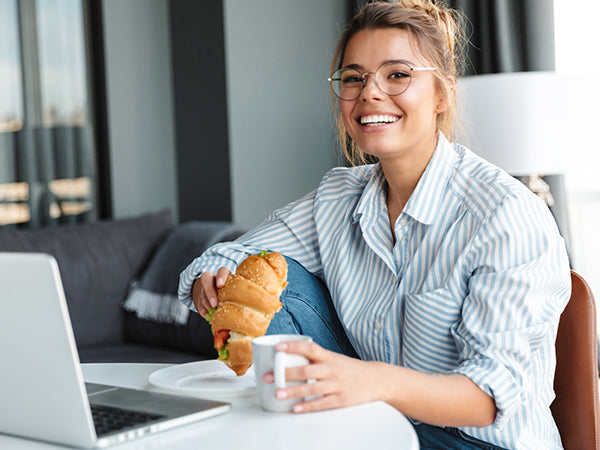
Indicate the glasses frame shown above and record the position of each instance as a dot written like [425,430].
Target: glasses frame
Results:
[331,79]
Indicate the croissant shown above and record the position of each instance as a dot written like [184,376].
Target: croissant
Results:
[247,303]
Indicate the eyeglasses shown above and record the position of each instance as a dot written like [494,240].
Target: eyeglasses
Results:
[392,78]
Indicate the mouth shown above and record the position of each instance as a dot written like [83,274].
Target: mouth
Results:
[377,119]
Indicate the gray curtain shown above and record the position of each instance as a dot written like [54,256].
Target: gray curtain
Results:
[39,155]
[508,35]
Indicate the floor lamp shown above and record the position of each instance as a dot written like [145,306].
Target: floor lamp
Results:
[517,121]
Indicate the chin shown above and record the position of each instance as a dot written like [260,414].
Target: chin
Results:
[381,151]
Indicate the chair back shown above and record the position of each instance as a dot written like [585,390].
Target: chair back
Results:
[576,406]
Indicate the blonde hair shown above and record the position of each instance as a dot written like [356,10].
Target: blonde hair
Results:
[439,35]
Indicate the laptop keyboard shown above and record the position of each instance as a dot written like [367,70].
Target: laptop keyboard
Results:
[108,419]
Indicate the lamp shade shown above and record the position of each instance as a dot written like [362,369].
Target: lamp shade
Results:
[517,121]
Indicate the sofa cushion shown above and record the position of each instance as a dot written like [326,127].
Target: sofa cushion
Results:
[97,261]
[155,315]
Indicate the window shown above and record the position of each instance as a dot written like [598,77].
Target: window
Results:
[577,39]
[47,170]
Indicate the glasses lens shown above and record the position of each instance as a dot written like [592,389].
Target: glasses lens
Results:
[346,83]
[394,77]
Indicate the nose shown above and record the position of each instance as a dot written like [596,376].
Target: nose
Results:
[370,87]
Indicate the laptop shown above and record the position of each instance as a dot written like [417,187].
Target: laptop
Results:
[42,392]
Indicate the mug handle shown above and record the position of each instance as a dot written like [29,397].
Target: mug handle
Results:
[279,369]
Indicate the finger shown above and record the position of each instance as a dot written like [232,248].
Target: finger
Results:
[222,275]
[201,309]
[319,404]
[310,350]
[208,294]
[308,373]
[301,373]
[307,391]
[197,294]
[268,378]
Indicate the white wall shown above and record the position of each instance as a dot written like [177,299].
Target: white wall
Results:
[140,106]
[280,121]
[577,41]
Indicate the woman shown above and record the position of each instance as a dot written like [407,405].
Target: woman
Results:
[448,276]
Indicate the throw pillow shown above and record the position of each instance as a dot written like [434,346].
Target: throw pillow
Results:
[155,315]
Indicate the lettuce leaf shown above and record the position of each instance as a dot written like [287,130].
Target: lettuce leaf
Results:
[208,316]
[224,353]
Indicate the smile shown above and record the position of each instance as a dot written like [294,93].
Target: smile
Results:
[377,119]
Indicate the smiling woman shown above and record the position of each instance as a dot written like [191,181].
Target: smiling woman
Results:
[435,261]
[433,41]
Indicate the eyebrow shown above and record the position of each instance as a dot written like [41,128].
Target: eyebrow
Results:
[360,68]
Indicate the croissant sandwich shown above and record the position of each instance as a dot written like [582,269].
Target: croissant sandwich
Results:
[247,303]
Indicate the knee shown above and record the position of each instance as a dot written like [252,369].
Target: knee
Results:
[302,282]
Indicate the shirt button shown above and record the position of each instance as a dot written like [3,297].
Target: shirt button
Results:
[378,325]
[403,221]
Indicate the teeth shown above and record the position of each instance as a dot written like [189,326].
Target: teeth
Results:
[365,120]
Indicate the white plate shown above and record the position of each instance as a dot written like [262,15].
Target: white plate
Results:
[210,379]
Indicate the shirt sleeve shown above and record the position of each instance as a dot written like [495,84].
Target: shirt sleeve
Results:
[519,285]
[290,231]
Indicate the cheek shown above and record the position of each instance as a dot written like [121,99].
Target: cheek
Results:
[346,109]
[415,104]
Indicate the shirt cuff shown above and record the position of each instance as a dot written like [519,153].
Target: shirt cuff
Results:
[186,281]
[497,381]
[220,255]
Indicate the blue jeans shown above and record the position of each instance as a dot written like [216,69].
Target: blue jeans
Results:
[438,438]
[308,309]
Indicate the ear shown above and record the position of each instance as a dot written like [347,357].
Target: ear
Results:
[443,99]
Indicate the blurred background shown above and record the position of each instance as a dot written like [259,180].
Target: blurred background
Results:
[220,110]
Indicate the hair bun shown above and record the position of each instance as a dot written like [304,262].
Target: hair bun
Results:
[445,18]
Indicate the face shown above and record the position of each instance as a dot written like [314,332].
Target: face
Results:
[405,128]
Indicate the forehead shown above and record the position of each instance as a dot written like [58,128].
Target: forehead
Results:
[371,48]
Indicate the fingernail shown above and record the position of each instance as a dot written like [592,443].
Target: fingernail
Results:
[281,347]
[281,394]
[220,282]
[213,302]
[298,408]
[268,378]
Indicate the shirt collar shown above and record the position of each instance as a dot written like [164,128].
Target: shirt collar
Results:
[424,202]
[372,200]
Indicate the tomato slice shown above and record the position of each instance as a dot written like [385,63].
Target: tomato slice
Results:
[221,337]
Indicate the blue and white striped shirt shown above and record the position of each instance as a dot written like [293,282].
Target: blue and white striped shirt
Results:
[474,284]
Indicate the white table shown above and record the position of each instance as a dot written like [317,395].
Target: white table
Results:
[374,425]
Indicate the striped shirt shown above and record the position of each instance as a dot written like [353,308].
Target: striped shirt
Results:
[474,283]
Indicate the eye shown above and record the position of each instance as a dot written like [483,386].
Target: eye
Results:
[351,79]
[395,72]
[398,75]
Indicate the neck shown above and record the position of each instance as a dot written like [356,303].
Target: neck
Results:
[403,175]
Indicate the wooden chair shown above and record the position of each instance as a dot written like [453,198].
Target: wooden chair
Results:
[576,406]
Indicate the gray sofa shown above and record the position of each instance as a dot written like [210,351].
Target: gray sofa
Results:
[120,279]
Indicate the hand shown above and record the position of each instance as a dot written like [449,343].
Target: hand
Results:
[438,399]
[204,289]
[340,381]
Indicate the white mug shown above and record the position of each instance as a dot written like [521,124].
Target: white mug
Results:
[266,359]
